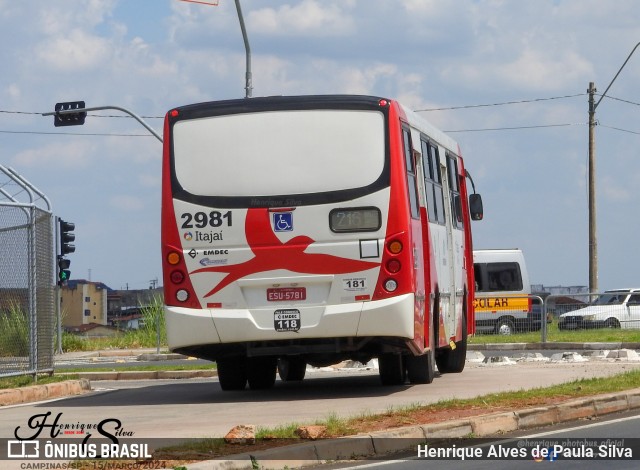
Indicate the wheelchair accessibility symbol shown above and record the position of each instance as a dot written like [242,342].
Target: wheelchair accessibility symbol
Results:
[283,222]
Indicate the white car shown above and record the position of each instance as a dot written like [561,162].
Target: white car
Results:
[619,308]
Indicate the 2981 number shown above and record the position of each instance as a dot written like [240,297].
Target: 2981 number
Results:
[202,219]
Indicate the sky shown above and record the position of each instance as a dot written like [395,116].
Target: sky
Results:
[507,79]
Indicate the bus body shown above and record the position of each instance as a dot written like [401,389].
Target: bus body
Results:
[312,230]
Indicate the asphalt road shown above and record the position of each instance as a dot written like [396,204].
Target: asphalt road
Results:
[198,407]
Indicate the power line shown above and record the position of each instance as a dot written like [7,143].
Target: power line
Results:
[619,129]
[486,129]
[75,133]
[498,104]
[92,115]
[624,101]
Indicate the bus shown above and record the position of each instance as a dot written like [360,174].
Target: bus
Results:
[311,230]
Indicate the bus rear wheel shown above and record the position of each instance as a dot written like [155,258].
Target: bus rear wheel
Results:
[391,368]
[232,373]
[421,369]
[261,372]
[452,360]
[292,368]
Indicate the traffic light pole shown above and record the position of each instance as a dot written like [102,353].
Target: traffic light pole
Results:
[63,112]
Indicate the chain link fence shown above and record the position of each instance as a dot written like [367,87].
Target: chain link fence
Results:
[610,316]
[27,289]
[507,315]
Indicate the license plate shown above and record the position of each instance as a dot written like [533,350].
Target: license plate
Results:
[280,294]
[286,319]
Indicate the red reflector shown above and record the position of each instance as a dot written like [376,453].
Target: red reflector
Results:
[362,297]
[214,305]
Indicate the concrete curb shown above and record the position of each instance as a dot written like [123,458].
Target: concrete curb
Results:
[383,443]
[33,393]
[550,346]
[44,392]
[146,375]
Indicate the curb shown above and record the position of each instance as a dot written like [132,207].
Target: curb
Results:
[551,346]
[146,375]
[382,443]
[33,393]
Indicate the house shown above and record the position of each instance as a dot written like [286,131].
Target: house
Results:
[83,302]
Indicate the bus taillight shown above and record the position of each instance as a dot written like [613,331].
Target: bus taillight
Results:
[173,258]
[177,277]
[182,295]
[395,247]
[177,285]
[390,285]
[393,266]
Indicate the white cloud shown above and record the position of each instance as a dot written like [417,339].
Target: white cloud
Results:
[74,51]
[307,18]
[70,154]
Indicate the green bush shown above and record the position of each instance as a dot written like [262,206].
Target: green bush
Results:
[14,332]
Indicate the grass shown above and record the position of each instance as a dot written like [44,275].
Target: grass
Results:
[144,337]
[14,331]
[554,335]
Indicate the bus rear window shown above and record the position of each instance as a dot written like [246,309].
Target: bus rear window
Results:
[279,152]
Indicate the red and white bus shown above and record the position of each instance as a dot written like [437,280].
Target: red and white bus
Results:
[309,230]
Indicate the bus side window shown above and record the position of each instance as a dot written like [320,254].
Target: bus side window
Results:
[433,182]
[454,187]
[412,184]
[430,190]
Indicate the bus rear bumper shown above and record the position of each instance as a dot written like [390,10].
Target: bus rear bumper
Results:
[393,317]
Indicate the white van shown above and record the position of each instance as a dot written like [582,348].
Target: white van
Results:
[503,304]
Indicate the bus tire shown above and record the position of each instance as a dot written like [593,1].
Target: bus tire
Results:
[261,372]
[232,373]
[391,368]
[421,369]
[292,368]
[452,360]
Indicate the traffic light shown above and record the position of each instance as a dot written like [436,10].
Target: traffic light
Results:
[63,270]
[66,237]
[69,119]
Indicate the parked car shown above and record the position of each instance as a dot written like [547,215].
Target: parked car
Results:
[618,308]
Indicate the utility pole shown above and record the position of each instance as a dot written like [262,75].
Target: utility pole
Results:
[593,242]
